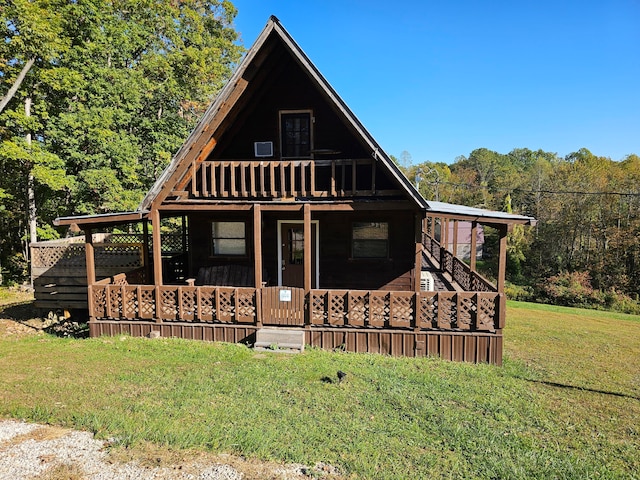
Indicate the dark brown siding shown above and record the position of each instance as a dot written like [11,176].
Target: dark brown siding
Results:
[338,270]
[200,247]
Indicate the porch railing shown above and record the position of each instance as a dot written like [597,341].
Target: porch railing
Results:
[114,299]
[461,273]
[237,179]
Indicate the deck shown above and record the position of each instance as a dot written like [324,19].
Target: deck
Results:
[456,324]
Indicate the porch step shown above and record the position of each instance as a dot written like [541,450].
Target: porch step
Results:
[284,339]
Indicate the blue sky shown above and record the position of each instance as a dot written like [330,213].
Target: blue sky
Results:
[439,79]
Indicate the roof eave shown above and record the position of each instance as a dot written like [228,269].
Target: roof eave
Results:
[104,219]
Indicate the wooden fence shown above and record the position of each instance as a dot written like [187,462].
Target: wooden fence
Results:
[59,272]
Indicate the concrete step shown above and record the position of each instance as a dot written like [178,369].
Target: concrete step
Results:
[285,339]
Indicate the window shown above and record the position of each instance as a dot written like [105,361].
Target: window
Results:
[296,246]
[370,240]
[295,131]
[228,238]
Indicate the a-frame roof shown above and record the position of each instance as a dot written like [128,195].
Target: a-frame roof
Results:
[203,138]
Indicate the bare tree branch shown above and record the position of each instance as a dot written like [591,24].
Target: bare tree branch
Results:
[14,88]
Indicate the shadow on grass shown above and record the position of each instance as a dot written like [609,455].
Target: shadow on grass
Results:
[582,389]
[20,312]
[53,322]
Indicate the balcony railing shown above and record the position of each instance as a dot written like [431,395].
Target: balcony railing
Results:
[269,179]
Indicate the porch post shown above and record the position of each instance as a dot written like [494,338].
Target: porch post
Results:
[502,265]
[418,251]
[474,245]
[307,247]
[455,238]
[90,256]
[257,245]
[444,234]
[145,250]
[157,248]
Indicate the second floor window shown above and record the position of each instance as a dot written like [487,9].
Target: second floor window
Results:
[296,134]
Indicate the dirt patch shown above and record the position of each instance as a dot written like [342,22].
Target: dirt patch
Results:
[40,434]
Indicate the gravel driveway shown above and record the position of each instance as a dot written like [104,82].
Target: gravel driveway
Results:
[32,451]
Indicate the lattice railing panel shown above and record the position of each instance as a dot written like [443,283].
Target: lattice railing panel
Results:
[461,274]
[188,300]
[98,295]
[487,306]
[246,302]
[479,284]
[146,301]
[447,261]
[357,308]
[318,314]
[401,309]
[167,302]
[130,305]
[466,311]
[427,310]
[207,304]
[225,305]
[378,309]
[436,251]
[337,308]
[446,310]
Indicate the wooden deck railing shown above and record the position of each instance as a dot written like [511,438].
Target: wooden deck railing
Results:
[283,179]
[469,280]
[449,311]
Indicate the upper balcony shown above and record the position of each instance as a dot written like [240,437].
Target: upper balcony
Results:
[283,179]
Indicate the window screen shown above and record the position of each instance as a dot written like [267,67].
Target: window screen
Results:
[370,240]
[228,238]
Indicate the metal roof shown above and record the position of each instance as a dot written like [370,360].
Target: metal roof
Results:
[102,218]
[489,216]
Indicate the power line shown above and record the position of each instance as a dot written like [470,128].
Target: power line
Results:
[549,192]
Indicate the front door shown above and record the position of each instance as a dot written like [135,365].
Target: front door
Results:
[292,254]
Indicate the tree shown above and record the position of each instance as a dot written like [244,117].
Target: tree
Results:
[114,88]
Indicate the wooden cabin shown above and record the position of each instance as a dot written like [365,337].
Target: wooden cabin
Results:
[294,217]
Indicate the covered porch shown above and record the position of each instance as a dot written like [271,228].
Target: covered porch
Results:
[459,318]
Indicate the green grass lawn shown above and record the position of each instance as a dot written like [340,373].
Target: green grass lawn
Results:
[566,403]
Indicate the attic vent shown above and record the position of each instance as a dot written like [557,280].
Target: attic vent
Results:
[263,149]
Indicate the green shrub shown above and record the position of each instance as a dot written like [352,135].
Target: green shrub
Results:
[522,293]
[573,289]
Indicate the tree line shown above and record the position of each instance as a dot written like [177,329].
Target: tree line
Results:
[96,97]
[586,244]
